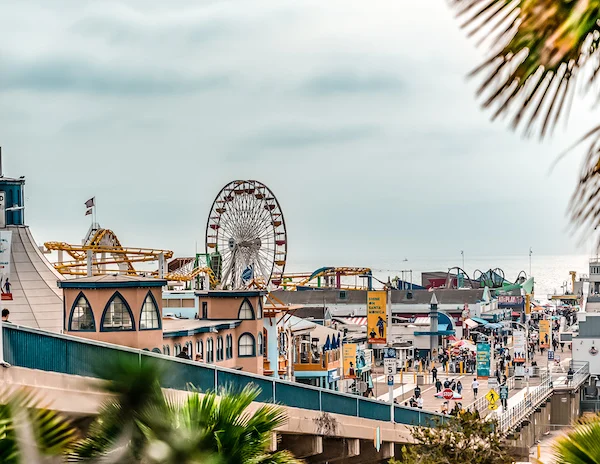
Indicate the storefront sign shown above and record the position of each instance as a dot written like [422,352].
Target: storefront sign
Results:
[545,333]
[5,282]
[483,360]
[510,299]
[376,317]
[349,355]
[520,347]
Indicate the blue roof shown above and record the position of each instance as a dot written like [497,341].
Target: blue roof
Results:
[479,320]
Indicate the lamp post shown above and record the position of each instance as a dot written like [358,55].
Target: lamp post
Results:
[462,253]
[530,253]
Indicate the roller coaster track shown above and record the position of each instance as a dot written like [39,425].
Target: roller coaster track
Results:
[293,281]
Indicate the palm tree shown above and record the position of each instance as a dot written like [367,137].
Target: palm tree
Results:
[581,446]
[539,49]
[139,424]
[30,433]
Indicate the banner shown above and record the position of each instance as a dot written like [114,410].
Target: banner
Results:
[483,359]
[5,282]
[520,346]
[349,355]
[545,334]
[377,317]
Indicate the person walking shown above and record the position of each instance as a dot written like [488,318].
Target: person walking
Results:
[438,385]
[434,374]
[459,387]
[475,387]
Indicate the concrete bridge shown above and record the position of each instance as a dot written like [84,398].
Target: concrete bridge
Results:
[323,425]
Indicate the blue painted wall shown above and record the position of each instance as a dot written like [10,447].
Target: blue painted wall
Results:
[14,197]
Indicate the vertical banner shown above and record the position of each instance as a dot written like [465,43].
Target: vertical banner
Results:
[483,359]
[349,355]
[5,282]
[377,317]
[545,334]
[519,344]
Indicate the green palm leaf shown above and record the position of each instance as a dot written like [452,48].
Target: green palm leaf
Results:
[582,446]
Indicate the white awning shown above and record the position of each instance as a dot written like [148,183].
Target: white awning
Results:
[422,321]
[470,323]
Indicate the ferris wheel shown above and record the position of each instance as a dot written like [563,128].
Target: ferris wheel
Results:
[246,236]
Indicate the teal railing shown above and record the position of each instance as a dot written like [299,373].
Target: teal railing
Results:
[37,349]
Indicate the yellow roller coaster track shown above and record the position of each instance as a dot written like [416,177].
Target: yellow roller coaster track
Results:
[292,281]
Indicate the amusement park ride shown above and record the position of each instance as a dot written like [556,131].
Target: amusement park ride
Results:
[246,247]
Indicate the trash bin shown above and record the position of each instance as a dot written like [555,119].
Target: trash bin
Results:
[519,382]
[420,379]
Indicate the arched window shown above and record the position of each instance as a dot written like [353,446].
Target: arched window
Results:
[155,350]
[219,348]
[246,346]
[149,318]
[190,349]
[209,350]
[167,350]
[260,307]
[82,318]
[260,344]
[229,347]
[200,349]
[117,315]
[246,311]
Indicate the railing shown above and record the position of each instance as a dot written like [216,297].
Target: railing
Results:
[581,372]
[37,349]
[481,403]
[519,412]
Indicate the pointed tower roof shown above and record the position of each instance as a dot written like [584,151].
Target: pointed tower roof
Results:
[434,300]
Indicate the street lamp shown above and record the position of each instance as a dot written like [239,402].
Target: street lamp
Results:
[462,253]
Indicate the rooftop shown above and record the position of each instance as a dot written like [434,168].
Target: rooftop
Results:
[174,327]
[111,281]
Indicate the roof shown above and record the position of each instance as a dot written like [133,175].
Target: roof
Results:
[231,293]
[37,302]
[112,281]
[173,327]
[316,330]
[310,312]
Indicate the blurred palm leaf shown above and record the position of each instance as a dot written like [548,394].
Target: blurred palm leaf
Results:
[538,48]
[581,446]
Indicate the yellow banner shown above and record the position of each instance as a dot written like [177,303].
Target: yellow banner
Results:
[545,334]
[349,355]
[376,317]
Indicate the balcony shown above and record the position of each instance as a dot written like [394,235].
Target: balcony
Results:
[307,360]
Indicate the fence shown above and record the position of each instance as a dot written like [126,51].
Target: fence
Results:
[481,403]
[37,349]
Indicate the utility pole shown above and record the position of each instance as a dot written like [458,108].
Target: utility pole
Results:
[462,253]
[389,340]
[530,253]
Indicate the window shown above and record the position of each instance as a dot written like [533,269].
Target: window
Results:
[167,350]
[204,310]
[260,307]
[265,342]
[149,318]
[176,349]
[219,348]
[155,350]
[246,346]
[343,295]
[117,315]
[81,316]
[200,349]
[229,347]
[246,310]
[260,343]
[209,350]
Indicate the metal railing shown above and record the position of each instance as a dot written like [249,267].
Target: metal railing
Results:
[38,349]
[519,412]
[581,372]
[481,403]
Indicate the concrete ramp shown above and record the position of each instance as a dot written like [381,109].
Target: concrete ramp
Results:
[37,300]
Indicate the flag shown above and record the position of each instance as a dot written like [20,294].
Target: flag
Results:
[88,212]
[90,202]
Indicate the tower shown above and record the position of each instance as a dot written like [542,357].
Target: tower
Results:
[12,199]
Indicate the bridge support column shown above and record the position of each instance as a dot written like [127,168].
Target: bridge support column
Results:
[336,449]
[301,446]
[369,454]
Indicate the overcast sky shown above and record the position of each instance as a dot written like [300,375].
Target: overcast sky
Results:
[357,114]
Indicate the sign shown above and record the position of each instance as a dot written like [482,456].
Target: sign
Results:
[492,396]
[5,283]
[376,317]
[493,406]
[519,345]
[510,300]
[519,371]
[349,355]
[389,366]
[389,352]
[550,355]
[545,334]
[390,380]
[503,392]
[483,360]
[2,209]
[447,394]
[492,383]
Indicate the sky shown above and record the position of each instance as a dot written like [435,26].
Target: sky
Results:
[358,115]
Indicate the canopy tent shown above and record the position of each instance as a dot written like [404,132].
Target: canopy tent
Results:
[470,323]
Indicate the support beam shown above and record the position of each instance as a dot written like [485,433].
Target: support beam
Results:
[301,446]
[368,453]
[336,449]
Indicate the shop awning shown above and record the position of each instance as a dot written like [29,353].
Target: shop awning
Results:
[422,321]
[478,320]
[515,314]
[470,323]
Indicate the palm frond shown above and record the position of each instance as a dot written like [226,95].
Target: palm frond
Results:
[538,48]
[581,446]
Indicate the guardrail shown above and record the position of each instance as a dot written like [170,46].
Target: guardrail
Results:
[38,349]
[481,404]
[537,395]
[581,372]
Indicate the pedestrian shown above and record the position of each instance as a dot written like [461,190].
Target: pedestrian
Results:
[434,374]
[438,385]
[446,383]
[475,387]
[183,354]
[198,358]
[562,346]
[420,402]
[570,376]
[5,314]
[445,408]
[459,387]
